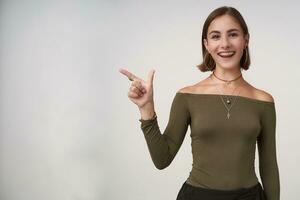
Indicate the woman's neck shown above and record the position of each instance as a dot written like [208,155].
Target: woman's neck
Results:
[234,75]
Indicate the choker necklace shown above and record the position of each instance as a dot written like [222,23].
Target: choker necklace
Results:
[228,108]
[227,81]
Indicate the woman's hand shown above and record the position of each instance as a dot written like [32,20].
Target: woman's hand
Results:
[140,91]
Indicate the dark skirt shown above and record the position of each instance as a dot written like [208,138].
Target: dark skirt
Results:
[189,192]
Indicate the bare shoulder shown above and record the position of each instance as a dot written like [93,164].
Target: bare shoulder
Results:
[263,95]
[186,89]
[199,87]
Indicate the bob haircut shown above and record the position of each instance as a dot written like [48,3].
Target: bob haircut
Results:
[208,63]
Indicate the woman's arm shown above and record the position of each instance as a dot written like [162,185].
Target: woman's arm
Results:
[267,153]
[164,147]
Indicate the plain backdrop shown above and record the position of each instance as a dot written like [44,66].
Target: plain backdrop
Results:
[67,128]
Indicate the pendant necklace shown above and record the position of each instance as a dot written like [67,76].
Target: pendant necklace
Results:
[228,105]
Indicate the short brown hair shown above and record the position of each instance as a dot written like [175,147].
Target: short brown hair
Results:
[208,63]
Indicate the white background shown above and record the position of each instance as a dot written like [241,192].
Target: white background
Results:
[67,128]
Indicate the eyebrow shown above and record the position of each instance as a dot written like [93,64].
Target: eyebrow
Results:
[230,30]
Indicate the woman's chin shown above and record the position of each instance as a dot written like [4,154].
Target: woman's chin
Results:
[228,65]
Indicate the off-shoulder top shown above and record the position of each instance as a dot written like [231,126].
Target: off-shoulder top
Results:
[223,149]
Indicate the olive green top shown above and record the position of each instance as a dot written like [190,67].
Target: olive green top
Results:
[223,149]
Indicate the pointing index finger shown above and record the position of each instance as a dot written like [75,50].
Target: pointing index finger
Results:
[129,75]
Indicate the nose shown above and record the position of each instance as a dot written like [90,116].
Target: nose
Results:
[225,42]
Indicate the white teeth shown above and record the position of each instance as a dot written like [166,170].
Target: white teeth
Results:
[226,53]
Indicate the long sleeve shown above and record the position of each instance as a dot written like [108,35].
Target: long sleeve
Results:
[164,147]
[267,153]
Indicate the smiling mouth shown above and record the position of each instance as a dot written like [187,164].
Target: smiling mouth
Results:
[226,54]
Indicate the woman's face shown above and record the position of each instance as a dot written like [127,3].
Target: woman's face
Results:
[224,38]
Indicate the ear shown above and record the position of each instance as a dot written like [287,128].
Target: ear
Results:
[206,44]
[247,36]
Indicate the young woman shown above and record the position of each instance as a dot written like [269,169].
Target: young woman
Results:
[226,114]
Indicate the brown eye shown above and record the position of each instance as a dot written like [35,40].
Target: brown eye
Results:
[233,34]
[214,36]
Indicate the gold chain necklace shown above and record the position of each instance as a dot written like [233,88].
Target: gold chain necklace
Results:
[227,98]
